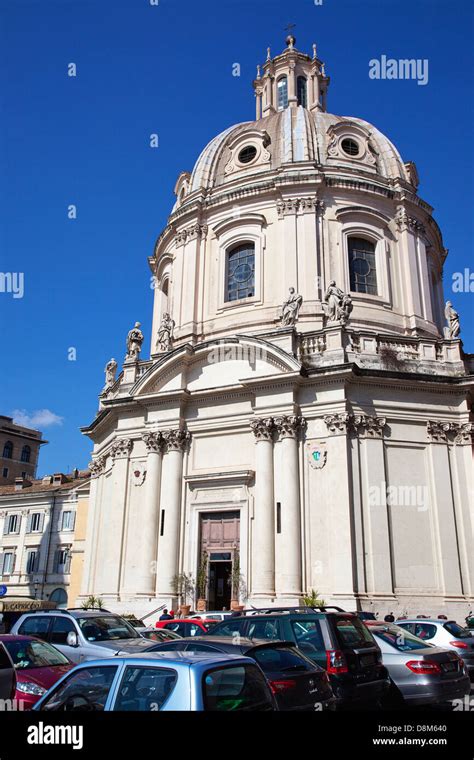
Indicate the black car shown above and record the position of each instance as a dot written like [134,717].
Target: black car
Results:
[335,640]
[297,683]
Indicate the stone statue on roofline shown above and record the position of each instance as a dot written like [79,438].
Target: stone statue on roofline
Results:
[165,333]
[337,305]
[452,318]
[110,370]
[134,343]
[291,309]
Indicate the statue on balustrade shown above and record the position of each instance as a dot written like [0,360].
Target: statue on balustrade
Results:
[134,343]
[165,333]
[452,318]
[291,309]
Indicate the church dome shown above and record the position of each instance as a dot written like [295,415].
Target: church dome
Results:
[295,136]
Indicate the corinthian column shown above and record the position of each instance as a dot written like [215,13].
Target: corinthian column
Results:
[170,509]
[263,533]
[289,539]
[150,512]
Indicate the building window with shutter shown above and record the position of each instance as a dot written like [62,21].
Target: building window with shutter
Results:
[7,563]
[67,520]
[62,561]
[12,524]
[35,523]
[32,560]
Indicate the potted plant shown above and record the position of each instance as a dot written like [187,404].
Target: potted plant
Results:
[312,599]
[183,587]
[92,603]
[237,584]
[201,583]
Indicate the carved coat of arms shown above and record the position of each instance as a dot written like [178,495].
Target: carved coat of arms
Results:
[317,454]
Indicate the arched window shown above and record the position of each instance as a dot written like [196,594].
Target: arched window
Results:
[240,272]
[282,92]
[8,450]
[301,88]
[362,266]
[60,597]
[25,454]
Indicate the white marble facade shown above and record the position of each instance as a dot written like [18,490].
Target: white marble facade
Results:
[345,447]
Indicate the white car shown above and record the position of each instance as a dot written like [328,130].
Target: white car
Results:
[217,615]
[444,633]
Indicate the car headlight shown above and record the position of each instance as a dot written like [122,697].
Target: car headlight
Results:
[30,688]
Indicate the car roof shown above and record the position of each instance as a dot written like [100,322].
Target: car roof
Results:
[423,620]
[177,658]
[228,641]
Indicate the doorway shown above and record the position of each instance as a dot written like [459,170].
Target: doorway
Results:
[220,540]
[219,588]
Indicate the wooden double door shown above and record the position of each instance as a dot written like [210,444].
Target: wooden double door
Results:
[220,539]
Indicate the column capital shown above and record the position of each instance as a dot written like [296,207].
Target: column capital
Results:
[154,442]
[263,428]
[337,423]
[121,448]
[176,440]
[444,432]
[97,466]
[367,426]
[438,431]
[289,426]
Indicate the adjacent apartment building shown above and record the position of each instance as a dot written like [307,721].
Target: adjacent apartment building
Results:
[39,554]
[19,450]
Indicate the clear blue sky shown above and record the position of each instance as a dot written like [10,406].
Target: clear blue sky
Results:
[167,69]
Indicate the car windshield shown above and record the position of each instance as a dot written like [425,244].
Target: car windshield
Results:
[106,628]
[456,630]
[352,632]
[400,639]
[34,654]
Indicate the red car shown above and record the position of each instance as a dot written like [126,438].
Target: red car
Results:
[38,666]
[187,627]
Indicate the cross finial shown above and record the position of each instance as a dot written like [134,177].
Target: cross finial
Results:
[290,40]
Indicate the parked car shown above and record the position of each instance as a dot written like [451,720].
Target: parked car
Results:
[365,615]
[297,682]
[420,674]
[335,640]
[159,634]
[7,675]
[186,626]
[82,634]
[162,681]
[444,633]
[212,615]
[38,666]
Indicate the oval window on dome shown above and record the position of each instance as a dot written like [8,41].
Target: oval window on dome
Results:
[350,146]
[247,154]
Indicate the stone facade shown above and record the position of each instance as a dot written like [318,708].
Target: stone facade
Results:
[341,444]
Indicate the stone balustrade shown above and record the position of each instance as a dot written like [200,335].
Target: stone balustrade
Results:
[382,352]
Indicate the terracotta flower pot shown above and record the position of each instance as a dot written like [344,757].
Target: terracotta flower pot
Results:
[201,605]
[235,605]
[184,610]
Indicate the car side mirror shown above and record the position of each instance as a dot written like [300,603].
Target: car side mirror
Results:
[72,640]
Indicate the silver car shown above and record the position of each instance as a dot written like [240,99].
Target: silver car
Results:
[444,633]
[162,681]
[420,674]
[83,634]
